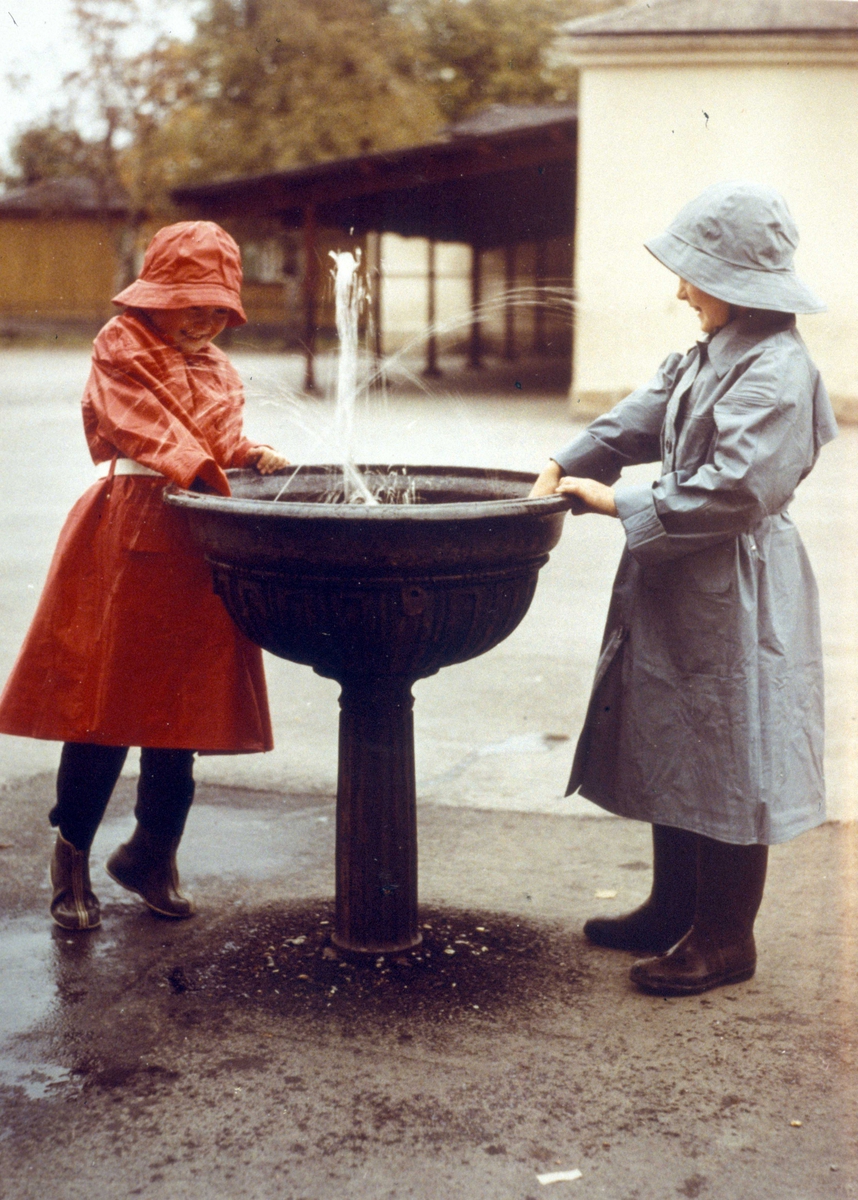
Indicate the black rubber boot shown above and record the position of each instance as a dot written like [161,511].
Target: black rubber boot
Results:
[74,904]
[85,780]
[667,914]
[719,948]
[147,865]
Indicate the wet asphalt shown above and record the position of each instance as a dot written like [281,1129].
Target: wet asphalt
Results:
[240,1054]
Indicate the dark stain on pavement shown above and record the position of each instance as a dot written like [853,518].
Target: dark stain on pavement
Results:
[143,1077]
[283,960]
[130,997]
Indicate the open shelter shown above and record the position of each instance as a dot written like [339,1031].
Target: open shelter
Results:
[501,179]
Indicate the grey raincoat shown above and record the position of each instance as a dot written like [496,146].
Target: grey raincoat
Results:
[706,712]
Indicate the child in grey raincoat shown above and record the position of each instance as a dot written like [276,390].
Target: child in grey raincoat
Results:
[706,716]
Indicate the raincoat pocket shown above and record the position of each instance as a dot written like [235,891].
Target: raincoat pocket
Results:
[714,569]
[709,570]
[691,617]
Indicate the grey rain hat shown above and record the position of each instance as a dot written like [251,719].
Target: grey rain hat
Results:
[736,242]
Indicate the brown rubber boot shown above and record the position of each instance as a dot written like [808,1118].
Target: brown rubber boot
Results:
[719,948]
[75,905]
[667,914]
[147,865]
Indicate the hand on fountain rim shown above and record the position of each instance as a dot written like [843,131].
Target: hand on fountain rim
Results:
[585,495]
[266,460]
[546,484]
[591,495]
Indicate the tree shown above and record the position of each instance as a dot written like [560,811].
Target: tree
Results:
[118,97]
[280,83]
[265,85]
[54,150]
[482,52]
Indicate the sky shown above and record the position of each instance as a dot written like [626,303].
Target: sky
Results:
[37,47]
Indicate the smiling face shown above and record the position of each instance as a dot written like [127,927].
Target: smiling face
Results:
[188,329]
[713,314]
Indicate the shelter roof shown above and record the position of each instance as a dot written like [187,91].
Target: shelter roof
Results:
[75,194]
[721,16]
[505,175]
[503,118]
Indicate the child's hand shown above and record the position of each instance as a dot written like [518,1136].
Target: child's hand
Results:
[546,484]
[592,496]
[266,460]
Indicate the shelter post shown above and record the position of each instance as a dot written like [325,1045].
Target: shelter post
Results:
[375,299]
[432,369]
[475,348]
[310,276]
[509,309]
[539,345]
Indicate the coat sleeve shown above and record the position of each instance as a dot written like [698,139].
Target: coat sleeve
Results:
[763,447]
[630,433]
[239,457]
[231,446]
[133,414]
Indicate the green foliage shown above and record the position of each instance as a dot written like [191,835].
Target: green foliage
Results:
[494,51]
[285,82]
[265,85]
[55,151]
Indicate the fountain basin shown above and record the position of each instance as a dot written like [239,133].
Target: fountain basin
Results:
[376,597]
[396,589]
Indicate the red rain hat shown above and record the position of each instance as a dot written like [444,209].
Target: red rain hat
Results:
[189,264]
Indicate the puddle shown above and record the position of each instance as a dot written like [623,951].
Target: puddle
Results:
[29,993]
[521,743]
[263,843]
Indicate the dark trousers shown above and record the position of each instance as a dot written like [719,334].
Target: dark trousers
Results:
[88,775]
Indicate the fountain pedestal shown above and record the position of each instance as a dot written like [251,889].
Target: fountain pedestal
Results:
[377,598]
[376,818]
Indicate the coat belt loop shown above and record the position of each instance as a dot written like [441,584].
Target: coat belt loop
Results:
[111,473]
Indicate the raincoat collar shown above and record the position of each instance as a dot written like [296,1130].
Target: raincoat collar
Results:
[726,347]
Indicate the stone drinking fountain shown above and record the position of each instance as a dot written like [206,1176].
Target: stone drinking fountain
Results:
[376,597]
[376,577]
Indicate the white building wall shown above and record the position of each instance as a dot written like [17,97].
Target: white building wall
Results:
[650,138]
[404,295]
[541,324]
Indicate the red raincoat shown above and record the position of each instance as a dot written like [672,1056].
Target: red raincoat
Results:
[129,645]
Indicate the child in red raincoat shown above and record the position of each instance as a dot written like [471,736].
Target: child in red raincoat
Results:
[129,645]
